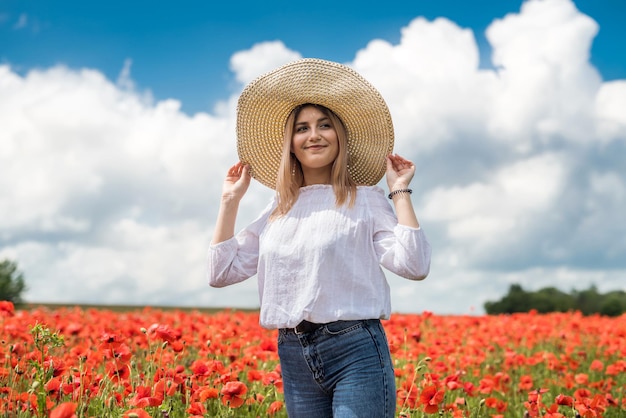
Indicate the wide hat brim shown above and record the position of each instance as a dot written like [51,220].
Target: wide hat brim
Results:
[266,102]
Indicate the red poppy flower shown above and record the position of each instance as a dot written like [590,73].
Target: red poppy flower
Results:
[274,408]
[6,308]
[55,364]
[53,386]
[196,408]
[564,400]
[205,392]
[118,372]
[496,404]
[407,394]
[64,410]
[254,375]
[596,365]
[269,344]
[163,332]
[178,346]
[109,338]
[430,397]
[233,394]
[469,389]
[273,378]
[581,393]
[553,412]
[136,413]
[525,382]
[581,378]
[200,368]
[143,398]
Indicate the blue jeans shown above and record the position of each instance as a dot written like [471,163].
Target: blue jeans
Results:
[340,370]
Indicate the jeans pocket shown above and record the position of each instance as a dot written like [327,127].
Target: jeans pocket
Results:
[281,337]
[383,333]
[342,327]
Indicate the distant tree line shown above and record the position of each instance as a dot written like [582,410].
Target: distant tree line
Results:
[551,299]
[12,283]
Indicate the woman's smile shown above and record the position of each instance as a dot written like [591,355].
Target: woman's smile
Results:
[315,147]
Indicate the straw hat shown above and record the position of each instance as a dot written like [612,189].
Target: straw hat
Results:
[266,102]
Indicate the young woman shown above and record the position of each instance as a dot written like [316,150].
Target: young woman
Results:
[321,135]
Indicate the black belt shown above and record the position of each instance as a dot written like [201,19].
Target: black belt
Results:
[305,327]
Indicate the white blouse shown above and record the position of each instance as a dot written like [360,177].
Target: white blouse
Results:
[321,262]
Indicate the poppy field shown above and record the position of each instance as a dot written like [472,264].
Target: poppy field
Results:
[83,362]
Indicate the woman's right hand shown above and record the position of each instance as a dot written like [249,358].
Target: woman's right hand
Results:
[235,186]
[236,182]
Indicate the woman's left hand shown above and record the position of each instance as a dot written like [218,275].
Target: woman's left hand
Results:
[399,173]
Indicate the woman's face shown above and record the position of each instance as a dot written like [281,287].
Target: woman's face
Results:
[314,141]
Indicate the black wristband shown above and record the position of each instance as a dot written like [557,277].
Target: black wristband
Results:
[395,192]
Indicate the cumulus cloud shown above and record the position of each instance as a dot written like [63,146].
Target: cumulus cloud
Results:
[610,117]
[110,196]
[261,58]
[427,75]
[100,185]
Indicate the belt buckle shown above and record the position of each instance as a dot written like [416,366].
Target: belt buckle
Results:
[297,331]
[305,327]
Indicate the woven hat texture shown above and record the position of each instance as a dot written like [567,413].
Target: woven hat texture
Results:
[266,102]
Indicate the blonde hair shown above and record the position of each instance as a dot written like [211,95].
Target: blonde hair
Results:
[290,176]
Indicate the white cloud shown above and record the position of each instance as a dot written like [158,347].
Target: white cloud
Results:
[508,199]
[261,58]
[108,195]
[100,186]
[547,83]
[73,135]
[430,81]
[610,115]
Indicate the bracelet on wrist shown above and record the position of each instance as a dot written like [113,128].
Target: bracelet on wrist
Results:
[395,192]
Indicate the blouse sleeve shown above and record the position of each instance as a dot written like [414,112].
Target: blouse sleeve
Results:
[236,259]
[401,249]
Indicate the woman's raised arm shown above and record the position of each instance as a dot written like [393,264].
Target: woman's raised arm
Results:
[399,173]
[235,186]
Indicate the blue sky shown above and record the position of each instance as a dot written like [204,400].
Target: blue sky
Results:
[181,50]
[117,125]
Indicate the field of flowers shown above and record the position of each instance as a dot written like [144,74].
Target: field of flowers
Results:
[68,362]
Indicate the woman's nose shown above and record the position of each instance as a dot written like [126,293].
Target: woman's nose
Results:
[314,134]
